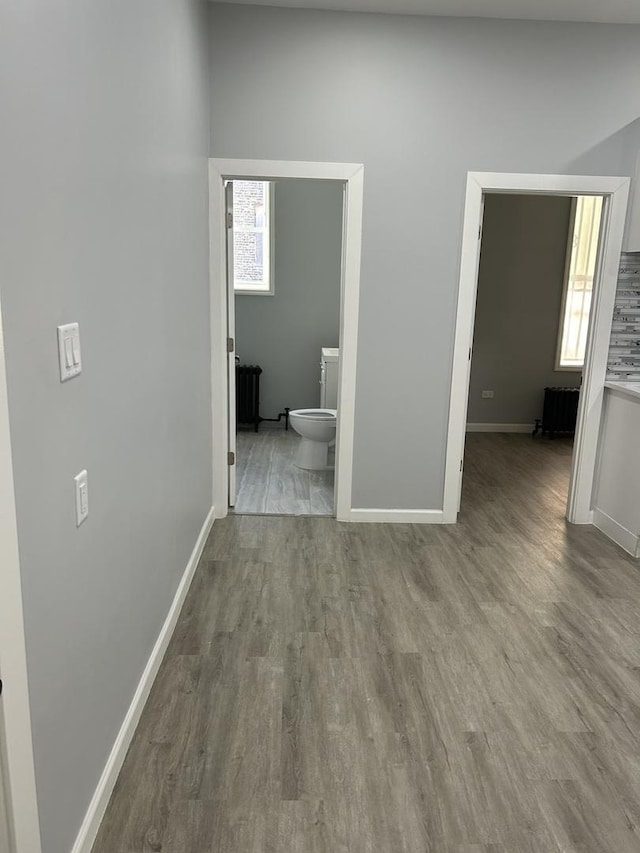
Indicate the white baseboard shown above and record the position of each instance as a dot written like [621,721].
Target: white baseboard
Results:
[614,530]
[399,516]
[499,427]
[583,518]
[99,801]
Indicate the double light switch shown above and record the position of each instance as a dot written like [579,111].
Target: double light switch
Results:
[69,351]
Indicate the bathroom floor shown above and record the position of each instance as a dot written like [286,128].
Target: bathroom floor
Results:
[268,481]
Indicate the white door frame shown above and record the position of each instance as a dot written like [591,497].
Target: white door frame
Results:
[615,191]
[231,351]
[18,748]
[352,176]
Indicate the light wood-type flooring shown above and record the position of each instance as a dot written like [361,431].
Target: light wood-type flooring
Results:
[342,688]
[268,481]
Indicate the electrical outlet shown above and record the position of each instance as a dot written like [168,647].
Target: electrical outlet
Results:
[82,497]
[487,395]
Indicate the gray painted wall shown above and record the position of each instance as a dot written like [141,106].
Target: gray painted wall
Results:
[103,220]
[284,333]
[419,101]
[520,281]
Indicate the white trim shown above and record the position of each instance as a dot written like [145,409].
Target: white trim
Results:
[615,190]
[477,427]
[398,516]
[18,747]
[91,823]
[585,452]
[614,530]
[352,176]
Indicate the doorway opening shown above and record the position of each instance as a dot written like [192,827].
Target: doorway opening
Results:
[590,328]
[284,256]
[223,173]
[537,265]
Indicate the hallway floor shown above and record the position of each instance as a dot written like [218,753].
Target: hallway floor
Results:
[342,688]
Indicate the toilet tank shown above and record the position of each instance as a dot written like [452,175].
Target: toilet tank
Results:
[329,359]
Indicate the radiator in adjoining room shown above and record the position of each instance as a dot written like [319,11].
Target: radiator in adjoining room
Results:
[559,412]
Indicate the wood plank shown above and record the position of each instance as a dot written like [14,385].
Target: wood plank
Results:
[269,482]
[335,688]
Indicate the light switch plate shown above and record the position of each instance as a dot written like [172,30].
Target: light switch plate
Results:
[69,351]
[82,497]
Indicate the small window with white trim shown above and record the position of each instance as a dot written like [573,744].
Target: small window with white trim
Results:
[582,255]
[252,269]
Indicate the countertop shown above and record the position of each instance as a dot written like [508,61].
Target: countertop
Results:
[629,389]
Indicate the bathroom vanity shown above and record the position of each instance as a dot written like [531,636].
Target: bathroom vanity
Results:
[329,377]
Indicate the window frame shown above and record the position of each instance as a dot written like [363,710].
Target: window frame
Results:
[269,243]
[572,368]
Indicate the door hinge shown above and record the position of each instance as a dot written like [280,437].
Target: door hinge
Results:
[231,458]
[229,219]
[469,353]
[461,464]
[231,344]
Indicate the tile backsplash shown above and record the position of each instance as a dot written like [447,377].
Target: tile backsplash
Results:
[624,349]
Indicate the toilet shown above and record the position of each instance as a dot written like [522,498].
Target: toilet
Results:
[317,430]
[317,427]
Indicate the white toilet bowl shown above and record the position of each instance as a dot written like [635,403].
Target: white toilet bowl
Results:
[317,428]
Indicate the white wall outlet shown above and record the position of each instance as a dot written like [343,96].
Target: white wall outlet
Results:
[82,497]
[487,395]
[69,351]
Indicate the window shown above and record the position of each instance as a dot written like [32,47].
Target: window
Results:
[581,265]
[252,237]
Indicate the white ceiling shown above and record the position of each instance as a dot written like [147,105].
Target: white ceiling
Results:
[596,11]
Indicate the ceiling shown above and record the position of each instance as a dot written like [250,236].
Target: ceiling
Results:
[595,11]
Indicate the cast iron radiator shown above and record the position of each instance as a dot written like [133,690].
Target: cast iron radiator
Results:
[559,412]
[248,395]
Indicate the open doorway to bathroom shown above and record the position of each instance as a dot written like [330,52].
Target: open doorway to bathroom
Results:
[350,176]
[284,259]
